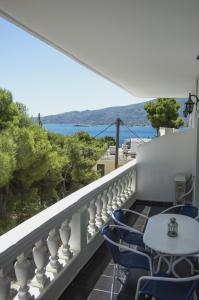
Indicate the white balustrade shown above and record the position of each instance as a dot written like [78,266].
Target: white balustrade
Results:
[65,233]
[4,286]
[22,271]
[56,243]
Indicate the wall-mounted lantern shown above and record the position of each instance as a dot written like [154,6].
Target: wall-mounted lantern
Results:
[190,104]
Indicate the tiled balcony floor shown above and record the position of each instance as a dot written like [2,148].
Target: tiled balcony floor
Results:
[94,280]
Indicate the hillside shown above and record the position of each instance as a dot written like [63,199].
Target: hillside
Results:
[133,114]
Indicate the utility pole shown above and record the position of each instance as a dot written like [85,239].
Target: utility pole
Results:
[118,122]
[39,120]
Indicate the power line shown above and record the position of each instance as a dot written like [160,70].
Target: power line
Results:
[104,129]
[133,132]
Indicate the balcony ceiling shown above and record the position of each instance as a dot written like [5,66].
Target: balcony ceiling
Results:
[147,47]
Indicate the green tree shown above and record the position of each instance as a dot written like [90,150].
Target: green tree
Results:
[109,140]
[163,113]
[9,113]
[37,167]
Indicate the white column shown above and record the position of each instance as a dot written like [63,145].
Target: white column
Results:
[4,286]
[104,207]
[110,198]
[53,245]
[114,195]
[126,186]
[118,189]
[121,184]
[99,220]
[65,233]
[22,271]
[92,228]
[196,162]
[41,258]
[124,196]
[130,180]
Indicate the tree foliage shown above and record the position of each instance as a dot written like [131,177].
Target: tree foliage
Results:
[37,167]
[164,113]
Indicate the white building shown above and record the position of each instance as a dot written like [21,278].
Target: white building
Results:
[130,146]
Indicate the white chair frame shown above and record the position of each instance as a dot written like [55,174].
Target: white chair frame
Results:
[126,226]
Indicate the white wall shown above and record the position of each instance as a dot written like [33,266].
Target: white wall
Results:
[159,161]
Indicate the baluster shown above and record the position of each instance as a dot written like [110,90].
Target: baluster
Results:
[22,271]
[92,228]
[4,286]
[133,182]
[99,220]
[104,207]
[65,233]
[118,199]
[122,196]
[53,245]
[109,204]
[114,196]
[41,257]
[126,195]
[129,183]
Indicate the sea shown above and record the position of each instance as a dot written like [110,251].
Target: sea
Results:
[100,131]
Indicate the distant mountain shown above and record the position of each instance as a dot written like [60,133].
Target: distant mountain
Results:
[133,114]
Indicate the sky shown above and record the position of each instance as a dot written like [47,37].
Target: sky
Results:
[49,82]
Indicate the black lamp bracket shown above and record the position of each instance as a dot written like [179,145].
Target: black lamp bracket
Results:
[195,96]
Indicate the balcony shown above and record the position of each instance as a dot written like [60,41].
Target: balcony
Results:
[42,256]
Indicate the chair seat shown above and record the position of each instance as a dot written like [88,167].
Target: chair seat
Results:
[128,259]
[134,238]
[163,290]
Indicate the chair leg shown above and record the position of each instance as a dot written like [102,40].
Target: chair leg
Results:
[138,293]
[191,265]
[195,297]
[113,281]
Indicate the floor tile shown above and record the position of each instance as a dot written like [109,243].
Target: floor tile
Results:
[98,295]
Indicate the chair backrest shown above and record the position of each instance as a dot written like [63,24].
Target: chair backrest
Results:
[189,210]
[113,236]
[119,216]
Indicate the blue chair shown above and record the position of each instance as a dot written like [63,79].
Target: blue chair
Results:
[183,209]
[122,255]
[132,235]
[165,287]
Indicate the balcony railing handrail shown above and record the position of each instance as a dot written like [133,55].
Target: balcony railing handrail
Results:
[23,236]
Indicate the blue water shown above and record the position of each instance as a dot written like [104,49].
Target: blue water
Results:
[70,129]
